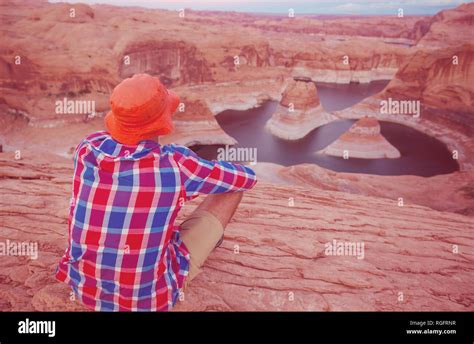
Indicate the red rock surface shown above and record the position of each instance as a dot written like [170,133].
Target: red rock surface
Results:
[273,257]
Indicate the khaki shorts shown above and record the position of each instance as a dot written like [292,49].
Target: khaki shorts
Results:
[200,232]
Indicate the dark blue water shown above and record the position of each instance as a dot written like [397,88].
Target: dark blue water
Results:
[421,154]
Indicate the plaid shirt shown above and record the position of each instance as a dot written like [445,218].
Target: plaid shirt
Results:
[124,252]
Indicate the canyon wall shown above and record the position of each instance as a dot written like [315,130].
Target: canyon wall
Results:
[448,27]
[439,78]
[174,62]
[63,56]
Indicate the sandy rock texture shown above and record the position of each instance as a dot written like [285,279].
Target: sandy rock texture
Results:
[273,257]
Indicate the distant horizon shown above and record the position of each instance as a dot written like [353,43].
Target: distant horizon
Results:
[262,7]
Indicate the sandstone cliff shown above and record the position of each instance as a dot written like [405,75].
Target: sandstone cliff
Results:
[448,27]
[175,62]
[440,79]
[273,257]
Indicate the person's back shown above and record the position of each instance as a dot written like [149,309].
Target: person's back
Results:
[125,251]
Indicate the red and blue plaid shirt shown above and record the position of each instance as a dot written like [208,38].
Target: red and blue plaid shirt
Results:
[125,252]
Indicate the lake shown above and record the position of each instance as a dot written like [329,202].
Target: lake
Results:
[421,155]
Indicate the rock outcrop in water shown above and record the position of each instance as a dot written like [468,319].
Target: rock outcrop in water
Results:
[299,111]
[273,256]
[363,140]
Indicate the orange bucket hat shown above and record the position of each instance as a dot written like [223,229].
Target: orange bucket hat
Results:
[141,109]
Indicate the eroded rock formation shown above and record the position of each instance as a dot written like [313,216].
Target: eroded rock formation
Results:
[437,77]
[363,140]
[299,111]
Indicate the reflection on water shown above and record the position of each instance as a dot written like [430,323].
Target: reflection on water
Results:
[421,154]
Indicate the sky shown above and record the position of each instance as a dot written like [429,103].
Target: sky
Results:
[335,7]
